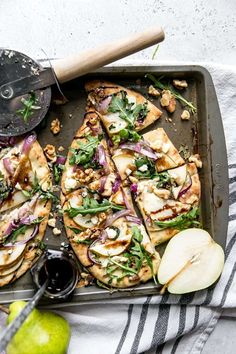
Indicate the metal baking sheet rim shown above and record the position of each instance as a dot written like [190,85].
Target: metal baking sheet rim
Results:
[219,174]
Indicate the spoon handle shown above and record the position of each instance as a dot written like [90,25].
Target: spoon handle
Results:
[13,327]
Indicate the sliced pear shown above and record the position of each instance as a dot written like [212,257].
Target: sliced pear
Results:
[123,160]
[192,261]
[9,255]
[5,271]
[151,202]
[84,221]
[114,121]
[179,174]
[113,248]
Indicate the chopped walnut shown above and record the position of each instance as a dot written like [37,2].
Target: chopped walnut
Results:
[56,231]
[196,159]
[152,91]
[185,115]
[61,148]
[52,222]
[168,101]
[50,152]
[180,84]
[102,217]
[55,126]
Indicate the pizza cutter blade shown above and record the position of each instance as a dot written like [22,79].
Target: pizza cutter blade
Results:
[25,92]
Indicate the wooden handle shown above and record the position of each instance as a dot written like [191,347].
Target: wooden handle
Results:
[80,64]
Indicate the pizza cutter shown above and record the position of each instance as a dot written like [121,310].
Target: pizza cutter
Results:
[25,92]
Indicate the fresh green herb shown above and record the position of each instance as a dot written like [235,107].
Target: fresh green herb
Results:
[164,179]
[181,222]
[125,135]
[119,265]
[84,241]
[92,206]
[21,230]
[151,170]
[159,84]
[28,107]
[129,112]
[101,285]
[85,153]
[155,52]
[41,245]
[5,190]
[74,229]
[57,171]
[36,188]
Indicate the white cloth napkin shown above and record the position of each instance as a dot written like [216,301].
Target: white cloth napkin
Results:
[168,324]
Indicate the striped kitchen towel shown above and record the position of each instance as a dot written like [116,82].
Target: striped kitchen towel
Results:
[166,324]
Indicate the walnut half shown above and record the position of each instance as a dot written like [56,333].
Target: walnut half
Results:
[55,126]
[50,152]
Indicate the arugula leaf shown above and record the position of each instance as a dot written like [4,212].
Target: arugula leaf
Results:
[74,229]
[130,112]
[28,107]
[5,189]
[21,230]
[159,84]
[151,169]
[84,241]
[57,171]
[164,179]
[36,188]
[92,206]
[181,222]
[85,153]
[125,135]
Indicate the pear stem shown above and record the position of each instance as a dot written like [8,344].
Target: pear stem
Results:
[4,309]
[187,264]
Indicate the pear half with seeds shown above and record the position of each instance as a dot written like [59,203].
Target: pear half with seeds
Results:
[192,261]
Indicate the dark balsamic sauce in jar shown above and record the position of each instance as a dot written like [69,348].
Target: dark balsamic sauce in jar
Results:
[59,273]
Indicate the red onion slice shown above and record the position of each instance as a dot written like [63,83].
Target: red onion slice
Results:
[134,188]
[116,216]
[185,189]
[8,166]
[103,180]
[116,184]
[134,219]
[143,150]
[28,141]
[60,160]
[103,105]
[102,159]
[23,242]
[91,256]
[127,204]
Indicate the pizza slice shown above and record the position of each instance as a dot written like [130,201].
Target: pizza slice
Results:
[145,159]
[23,168]
[21,233]
[169,202]
[123,112]
[88,162]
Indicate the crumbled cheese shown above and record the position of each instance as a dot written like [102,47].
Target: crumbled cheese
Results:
[84,194]
[9,251]
[131,99]
[185,115]
[61,148]
[94,220]
[152,91]
[143,168]
[70,183]
[56,231]
[128,171]
[111,233]
[52,222]
[18,186]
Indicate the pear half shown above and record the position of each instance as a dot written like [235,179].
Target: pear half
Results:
[192,261]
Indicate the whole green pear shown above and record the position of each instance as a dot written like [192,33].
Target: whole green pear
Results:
[41,333]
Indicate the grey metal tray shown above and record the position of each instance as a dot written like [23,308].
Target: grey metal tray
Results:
[203,134]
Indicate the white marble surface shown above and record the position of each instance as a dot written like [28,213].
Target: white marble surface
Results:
[195,30]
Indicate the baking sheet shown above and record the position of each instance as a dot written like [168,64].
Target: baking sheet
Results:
[203,134]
